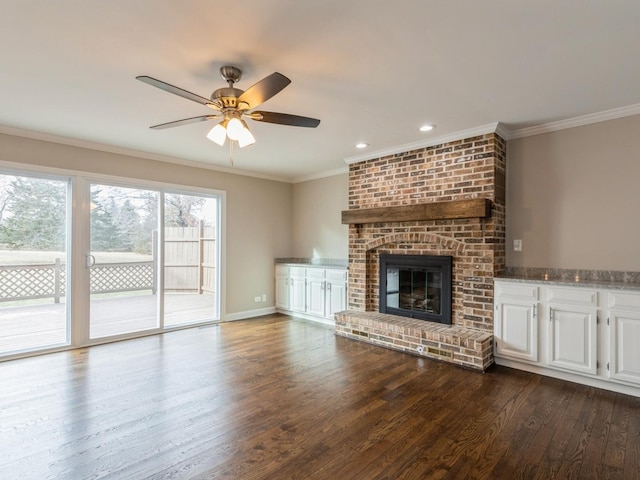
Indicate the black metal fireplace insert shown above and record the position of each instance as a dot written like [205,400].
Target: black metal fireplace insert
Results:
[416,286]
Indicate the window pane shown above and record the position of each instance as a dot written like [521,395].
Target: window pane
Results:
[190,259]
[123,260]
[33,226]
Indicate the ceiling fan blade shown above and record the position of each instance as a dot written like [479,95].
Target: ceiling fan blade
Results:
[176,90]
[285,119]
[263,90]
[184,121]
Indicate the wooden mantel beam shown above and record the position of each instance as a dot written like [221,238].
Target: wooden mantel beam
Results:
[473,208]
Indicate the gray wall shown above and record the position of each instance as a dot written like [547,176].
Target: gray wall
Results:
[259,212]
[573,197]
[317,228]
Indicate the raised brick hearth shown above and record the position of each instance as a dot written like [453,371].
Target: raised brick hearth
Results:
[462,346]
[458,170]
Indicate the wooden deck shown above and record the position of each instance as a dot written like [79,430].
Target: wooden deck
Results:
[277,398]
[28,327]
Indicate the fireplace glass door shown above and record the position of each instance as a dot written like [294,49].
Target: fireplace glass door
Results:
[418,290]
[416,286]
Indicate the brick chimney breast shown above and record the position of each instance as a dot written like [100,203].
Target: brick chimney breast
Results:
[458,170]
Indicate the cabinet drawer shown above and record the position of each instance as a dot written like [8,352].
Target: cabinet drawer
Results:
[315,272]
[336,275]
[282,270]
[518,291]
[297,271]
[624,300]
[572,296]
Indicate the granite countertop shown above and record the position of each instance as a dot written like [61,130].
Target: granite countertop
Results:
[575,281]
[314,262]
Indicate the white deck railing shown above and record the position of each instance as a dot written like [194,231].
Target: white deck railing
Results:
[28,282]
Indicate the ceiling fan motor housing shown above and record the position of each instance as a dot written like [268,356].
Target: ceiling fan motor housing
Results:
[227,97]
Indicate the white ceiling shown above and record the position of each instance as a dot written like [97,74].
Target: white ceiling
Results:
[371,70]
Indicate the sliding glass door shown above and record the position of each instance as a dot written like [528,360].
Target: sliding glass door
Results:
[123,262]
[190,248]
[33,263]
[84,262]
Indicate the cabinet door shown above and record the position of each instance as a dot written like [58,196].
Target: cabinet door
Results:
[572,343]
[336,298]
[624,338]
[315,296]
[297,294]
[516,330]
[283,286]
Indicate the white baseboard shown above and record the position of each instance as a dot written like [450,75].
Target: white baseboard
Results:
[313,318]
[231,317]
[597,382]
[270,310]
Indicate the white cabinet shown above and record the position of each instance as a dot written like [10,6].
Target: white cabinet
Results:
[572,340]
[516,322]
[624,337]
[589,335]
[335,292]
[316,292]
[283,287]
[572,333]
[290,288]
[297,292]
[326,291]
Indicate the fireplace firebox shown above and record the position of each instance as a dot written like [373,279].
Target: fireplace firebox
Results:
[416,286]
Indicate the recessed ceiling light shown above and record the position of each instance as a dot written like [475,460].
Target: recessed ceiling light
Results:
[427,128]
[362,145]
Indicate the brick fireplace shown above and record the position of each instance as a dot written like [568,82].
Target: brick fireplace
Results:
[440,178]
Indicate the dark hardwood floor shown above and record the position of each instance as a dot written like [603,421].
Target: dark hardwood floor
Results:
[276,398]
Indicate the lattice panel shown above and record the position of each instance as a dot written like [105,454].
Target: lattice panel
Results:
[122,277]
[24,282]
[63,280]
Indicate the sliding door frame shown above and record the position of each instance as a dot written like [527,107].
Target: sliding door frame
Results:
[78,246]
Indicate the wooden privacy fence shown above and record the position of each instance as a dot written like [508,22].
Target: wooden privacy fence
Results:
[189,258]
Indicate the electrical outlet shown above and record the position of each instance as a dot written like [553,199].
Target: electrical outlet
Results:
[264,297]
[257,299]
[517,245]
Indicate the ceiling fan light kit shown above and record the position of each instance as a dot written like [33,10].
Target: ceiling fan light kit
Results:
[233,104]
[218,134]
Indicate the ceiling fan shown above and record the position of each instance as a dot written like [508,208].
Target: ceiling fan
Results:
[232,104]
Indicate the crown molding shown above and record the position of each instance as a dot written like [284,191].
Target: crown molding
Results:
[102,147]
[497,127]
[317,176]
[503,131]
[603,116]
[472,132]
